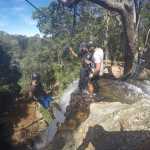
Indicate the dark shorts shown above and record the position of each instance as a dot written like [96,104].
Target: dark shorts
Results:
[45,100]
[94,79]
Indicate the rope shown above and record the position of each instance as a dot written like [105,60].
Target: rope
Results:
[45,16]
[22,128]
[121,77]
[39,11]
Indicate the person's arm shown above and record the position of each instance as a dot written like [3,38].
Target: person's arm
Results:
[96,70]
[31,92]
[97,61]
[73,53]
[87,61]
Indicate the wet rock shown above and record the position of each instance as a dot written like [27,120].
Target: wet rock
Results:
[111,126]
[113,69]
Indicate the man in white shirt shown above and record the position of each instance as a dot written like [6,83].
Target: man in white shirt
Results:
[96,65]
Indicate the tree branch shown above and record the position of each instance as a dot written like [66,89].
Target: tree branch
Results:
[147,38]
[114,6]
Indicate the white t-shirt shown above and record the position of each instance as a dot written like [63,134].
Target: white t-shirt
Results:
[98,57]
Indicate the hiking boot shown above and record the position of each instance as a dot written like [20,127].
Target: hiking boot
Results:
[58,124]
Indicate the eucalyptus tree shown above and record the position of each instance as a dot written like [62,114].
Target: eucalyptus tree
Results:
[98,24]
[130,14]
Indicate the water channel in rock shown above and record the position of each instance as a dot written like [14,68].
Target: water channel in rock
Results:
[108,91]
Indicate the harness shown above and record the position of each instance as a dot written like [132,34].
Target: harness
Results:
[87,56]
[39,90]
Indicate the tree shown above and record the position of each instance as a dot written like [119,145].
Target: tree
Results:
[145,25]
[130,17]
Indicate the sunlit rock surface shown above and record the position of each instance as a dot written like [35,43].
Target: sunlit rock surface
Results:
[109,126]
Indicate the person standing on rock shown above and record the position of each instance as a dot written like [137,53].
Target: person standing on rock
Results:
[85,69]
[37,92]
[96,66]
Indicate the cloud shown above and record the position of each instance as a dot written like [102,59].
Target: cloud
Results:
[18,9]
[28,20]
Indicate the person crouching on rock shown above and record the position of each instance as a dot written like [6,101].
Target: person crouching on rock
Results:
[37,92]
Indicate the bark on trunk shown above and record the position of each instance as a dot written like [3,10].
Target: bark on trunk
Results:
[129,40]
[106,36]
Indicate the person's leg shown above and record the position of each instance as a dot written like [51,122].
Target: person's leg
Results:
[91,84]
[45,101]
[79,84]
[53,117]
[86,81]
[51,113]
[82,79]
[90,89]
[58,107]
[46,104]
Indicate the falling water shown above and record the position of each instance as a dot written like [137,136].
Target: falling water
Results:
[52,128]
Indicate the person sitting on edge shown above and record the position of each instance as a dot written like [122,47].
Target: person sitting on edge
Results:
[96,66]
[84,70]
[37,92]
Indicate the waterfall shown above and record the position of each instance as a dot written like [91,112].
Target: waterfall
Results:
[126,92]
[52,128]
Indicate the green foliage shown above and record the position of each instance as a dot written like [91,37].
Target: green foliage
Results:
[20,56]
[144,24]
[45,113]
[9,75]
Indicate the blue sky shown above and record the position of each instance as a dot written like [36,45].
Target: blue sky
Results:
[15,16]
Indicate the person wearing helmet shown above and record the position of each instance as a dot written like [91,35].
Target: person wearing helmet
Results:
[85,69]
[96,65]
[37,92]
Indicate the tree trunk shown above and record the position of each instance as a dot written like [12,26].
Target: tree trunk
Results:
[129,40]
[124,8]
[106,18]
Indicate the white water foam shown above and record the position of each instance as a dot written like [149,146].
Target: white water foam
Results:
[135,91]
[52,129]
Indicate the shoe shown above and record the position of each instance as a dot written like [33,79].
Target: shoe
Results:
[84,91]
[58,124]
[94,94]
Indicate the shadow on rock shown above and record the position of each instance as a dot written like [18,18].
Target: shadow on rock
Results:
[99,139]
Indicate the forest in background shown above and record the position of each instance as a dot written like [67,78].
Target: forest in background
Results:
[20,55]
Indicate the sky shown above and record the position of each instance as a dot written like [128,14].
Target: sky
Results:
[16,16]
